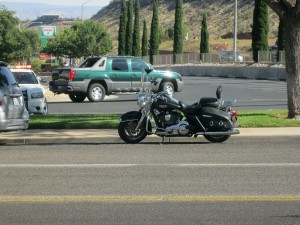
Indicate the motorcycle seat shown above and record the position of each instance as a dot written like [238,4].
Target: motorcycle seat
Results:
[189,109]
[192,109]
[212,102]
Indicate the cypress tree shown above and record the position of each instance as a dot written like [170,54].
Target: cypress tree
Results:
[136,49]
[145,40]
[122,29]
[204,42]
[178,31]
[154,35]
[260,28]
[128,46]
[281,36]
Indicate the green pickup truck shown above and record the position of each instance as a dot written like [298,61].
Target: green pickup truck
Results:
[98,76]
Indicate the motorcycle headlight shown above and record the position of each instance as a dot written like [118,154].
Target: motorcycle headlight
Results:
[141,100]
[37,95]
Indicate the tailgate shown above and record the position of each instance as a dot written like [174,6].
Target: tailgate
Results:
[60,74]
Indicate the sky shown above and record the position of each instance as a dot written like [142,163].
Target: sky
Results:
[66,2]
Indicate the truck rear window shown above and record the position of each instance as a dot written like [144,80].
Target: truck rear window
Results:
[89,62]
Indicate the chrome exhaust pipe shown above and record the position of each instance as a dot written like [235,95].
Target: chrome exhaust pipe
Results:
[230,132]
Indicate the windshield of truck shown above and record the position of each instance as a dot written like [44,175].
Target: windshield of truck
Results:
[138,65]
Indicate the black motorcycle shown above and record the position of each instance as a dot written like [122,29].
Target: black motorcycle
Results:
[165,116]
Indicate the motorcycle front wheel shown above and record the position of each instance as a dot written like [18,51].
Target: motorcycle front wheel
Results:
[217,138]
[128,134]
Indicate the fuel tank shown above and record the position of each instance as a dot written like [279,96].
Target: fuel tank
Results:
[167,103]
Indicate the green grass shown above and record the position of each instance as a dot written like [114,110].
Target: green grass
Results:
[266,118]
[74,121]
[247,119]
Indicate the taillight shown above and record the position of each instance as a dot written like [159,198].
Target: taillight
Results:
[235,113]
[72,74]
[1,103]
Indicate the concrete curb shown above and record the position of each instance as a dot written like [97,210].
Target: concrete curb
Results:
[102,136]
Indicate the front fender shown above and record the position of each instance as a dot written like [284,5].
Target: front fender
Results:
[129,116]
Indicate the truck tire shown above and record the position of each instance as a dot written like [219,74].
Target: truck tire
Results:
[168,87]
[78,97]
[96,93]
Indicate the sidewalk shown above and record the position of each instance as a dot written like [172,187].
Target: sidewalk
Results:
[66,136]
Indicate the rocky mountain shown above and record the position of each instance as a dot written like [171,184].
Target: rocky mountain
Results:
[220,16]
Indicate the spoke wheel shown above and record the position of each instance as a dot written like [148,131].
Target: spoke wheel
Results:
[128,133]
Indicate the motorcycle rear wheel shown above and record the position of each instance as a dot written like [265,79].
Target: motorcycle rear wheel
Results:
[217,138]
[128,134]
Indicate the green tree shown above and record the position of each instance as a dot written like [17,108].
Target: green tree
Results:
[281,35]
[65,44]
[145,40]
[10,36]
[204,42]
[289,12]
[136,48]
[178,31]
[154,35]
[122,29]
[260,28]
[36,65]
[129,29]
[34,40]
[170,32]
[82,39]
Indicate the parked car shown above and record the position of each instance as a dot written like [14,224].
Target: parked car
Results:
[13,113]
[33,91]
[228,56]
[98,76]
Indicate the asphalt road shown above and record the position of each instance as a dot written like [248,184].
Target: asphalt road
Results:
[249,94]
[242,181]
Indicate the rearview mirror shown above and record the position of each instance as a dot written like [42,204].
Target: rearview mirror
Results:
[149,69]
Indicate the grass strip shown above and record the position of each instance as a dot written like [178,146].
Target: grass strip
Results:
[247,119]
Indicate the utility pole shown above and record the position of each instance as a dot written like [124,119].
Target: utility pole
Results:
[82,9]
[235,29]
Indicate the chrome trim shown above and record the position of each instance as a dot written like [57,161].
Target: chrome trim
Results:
[230,132]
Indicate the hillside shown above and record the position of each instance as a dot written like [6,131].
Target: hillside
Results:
[220,17]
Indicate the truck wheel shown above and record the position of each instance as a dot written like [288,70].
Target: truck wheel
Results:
[169,88]
[78,97]
[96,93]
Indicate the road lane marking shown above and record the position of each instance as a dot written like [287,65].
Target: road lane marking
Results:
[109,199]
[149,165]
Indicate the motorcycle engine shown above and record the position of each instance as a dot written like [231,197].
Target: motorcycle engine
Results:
[167,118]
[172,123]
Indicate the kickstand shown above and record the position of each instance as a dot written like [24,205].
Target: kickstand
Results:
[163,140]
